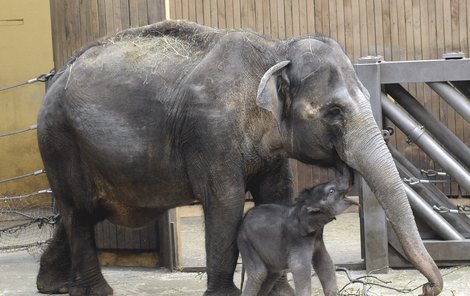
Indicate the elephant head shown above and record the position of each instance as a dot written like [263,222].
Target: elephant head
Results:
[324,117]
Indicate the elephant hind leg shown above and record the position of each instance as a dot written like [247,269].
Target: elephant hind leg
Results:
[72,251]
[55,265]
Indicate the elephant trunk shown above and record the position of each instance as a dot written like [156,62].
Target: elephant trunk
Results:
[366,152]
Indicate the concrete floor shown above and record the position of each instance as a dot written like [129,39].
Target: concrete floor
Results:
[18,270]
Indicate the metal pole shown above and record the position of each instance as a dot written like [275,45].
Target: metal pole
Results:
[431,194]
[433,219]
[447,138]
[428,144]
[453,97]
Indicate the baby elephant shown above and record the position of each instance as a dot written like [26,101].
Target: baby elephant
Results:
[274,239]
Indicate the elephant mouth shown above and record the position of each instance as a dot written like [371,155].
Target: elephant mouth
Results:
[350,201]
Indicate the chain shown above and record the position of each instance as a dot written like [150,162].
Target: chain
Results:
[414,181]
[51,220]
[461,209]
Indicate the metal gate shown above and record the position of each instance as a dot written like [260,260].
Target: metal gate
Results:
[444,226]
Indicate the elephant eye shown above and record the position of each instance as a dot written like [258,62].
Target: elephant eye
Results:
[332,190]
[334,114]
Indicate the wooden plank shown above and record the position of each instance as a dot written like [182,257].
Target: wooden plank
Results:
[363,28]
[125,14]
[156,11]
[386,30]
[117,18]
[244,14]
[192,11]
[332,20]
[295,17]
[133,13]
[371,27]
[214,16]
[281,20]
[237,22]
[221,14]
[348,30]
[229,14]
[303,17]
[252,13]
[274,20]
[400,39]
[266,18]
[288,19]
[324,22]
[340,25]
[356,30]
[258,15]
[310,25]
[207,12]
[109,16]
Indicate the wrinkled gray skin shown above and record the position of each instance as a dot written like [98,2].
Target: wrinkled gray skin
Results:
[160,116]
[275,238]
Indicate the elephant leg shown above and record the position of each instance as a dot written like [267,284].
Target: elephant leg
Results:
[222,193]
[275,187]
[222,219]
[302,280]
[324,267]
[74,195]
[87,278]
[269,283]
[55,264]
[256,271]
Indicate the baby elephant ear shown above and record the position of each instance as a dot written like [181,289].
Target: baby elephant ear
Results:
[267,96]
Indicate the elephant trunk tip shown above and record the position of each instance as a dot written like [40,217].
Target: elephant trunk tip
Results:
[432,289]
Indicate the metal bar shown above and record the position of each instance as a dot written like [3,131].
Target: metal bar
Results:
[428,144]
[433,219]
[431,194]
[453,97]
[424,71]
[374,224]
[447,138]
[23,176]
[33,127]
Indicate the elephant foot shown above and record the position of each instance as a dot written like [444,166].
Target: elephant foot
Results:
[231,291]
[52,286]
[101,289]
[53,279]
[282,288]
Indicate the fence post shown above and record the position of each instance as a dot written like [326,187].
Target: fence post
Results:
[373,222]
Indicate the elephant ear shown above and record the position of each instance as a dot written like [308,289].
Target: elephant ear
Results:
[311,220]
[268,95]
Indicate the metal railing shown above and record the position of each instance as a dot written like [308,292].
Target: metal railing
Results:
[450,79]
[22,215]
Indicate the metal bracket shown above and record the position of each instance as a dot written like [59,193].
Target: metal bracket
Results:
[414,134]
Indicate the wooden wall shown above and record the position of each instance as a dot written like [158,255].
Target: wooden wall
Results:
[395,29]
[77,22]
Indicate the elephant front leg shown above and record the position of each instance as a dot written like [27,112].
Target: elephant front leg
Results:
[324,267]
[221,222]
[223,211]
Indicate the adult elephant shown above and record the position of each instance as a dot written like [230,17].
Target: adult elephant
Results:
[159,116]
